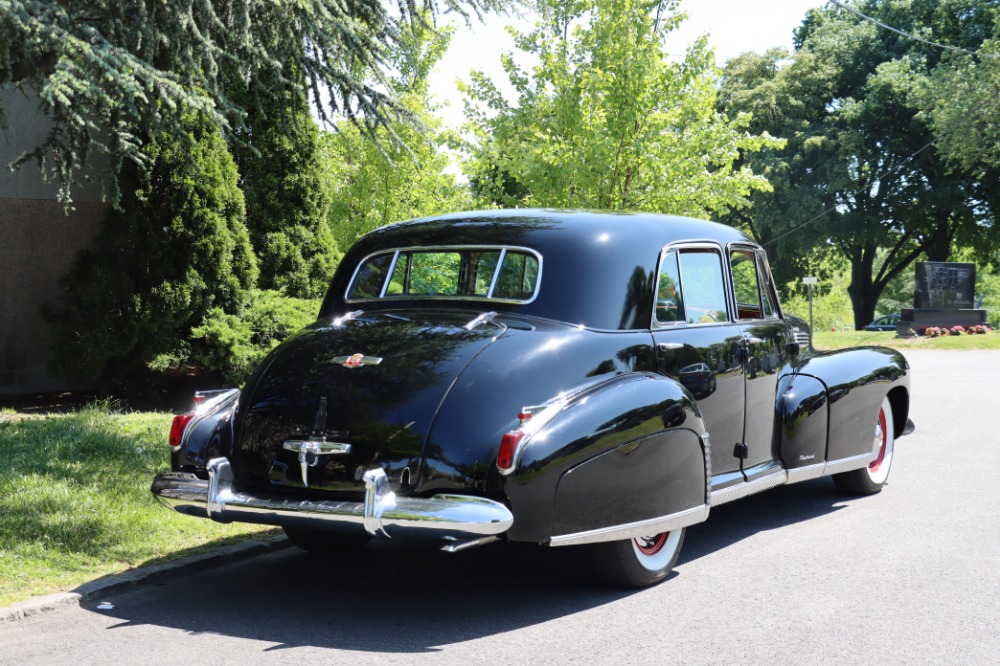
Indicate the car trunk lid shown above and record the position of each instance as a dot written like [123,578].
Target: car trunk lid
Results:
[337,400]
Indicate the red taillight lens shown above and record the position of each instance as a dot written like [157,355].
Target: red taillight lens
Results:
[177,428]
[508,449]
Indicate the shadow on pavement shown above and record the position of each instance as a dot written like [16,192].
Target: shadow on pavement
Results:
[410,598]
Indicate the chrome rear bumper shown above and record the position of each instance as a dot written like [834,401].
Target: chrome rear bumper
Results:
[382,513]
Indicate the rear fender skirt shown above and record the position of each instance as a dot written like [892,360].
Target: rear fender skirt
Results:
[654,477]
[628,426]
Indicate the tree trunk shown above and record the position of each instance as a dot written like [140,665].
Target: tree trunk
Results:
[864,296]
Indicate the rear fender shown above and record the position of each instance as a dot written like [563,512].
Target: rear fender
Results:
[631,449]
[210,434]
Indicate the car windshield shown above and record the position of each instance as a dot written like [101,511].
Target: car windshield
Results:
[493,273]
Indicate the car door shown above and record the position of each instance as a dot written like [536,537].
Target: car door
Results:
[764,354]
[698,344]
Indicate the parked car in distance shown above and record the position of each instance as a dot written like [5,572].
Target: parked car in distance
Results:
[884,323]
[568,379]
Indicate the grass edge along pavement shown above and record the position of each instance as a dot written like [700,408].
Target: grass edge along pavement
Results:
[75,505]
[143,575]
[826,341]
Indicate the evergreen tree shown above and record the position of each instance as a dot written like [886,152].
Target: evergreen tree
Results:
[109,71]
[281,178]
[177,250]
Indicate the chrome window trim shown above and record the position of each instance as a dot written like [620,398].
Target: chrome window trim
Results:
[388,275]
[444,248]
[496,273]
[674,521]
[678,246]
[756,251]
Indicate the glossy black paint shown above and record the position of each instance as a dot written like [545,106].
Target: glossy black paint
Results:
[656,417]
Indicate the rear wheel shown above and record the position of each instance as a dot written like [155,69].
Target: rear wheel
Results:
[870,480]
[638,562]
[324,542]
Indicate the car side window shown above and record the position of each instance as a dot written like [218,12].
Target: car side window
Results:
[750,285]
[769,304]
[669,304]
[702,286]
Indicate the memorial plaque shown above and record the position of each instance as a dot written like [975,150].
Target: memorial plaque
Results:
[941,284]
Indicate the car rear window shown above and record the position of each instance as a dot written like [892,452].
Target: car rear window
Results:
[493,273]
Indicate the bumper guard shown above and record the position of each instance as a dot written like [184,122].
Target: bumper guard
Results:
[450,517]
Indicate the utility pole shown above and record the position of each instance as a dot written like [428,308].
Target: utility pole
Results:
[809,282]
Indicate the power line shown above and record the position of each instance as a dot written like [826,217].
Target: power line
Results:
[855,193]
[947,47]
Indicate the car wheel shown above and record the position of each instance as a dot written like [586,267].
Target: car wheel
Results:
[324,542]
[870,480]
[638,562]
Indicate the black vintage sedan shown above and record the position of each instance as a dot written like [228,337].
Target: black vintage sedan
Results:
[593,380]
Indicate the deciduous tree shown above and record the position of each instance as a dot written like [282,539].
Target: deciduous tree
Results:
[860,175]
[606,119]
[376,179]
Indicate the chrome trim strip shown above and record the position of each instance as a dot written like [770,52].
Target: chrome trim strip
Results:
[496,273]
[388,275]
[484,317]
[639,528]
[220,400]
[847,464]
[457,516]
[731,493]
[806,473]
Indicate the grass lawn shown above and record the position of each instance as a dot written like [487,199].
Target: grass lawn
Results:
[75,502]
[827,340]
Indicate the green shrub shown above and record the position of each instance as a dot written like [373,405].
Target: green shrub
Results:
[234,345]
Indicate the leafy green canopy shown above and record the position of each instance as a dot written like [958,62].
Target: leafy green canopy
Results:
[375,180]
[103,68]
[860,176]
[606,119]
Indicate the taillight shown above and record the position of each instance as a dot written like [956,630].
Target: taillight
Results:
[508,451]
[177,428]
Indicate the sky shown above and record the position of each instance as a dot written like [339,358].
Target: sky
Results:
[733,27]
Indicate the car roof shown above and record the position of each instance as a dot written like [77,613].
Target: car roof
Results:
[598,268]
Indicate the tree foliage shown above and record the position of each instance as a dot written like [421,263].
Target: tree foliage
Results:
[860,175]
[105,68]
[376,180]
[179,251]
[281,176]
[607,120]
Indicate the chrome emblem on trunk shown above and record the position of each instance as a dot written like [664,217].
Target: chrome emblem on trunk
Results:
[357,360]
[311,449]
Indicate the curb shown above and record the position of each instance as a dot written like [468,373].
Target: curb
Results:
[142,576]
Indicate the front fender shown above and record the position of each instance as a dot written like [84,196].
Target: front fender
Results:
[628,450]
[856,381]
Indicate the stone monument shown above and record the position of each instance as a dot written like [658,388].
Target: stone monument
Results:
[944,295]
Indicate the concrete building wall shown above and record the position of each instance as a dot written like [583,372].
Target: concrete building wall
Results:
[38,243]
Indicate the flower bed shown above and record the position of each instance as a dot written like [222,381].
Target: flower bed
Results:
[939,331]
